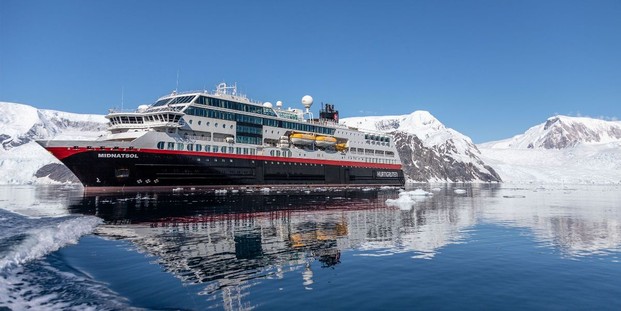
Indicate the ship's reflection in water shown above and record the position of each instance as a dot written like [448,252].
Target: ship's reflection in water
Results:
[228,243]
[225,242]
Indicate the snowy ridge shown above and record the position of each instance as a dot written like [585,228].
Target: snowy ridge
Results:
[560,132]
[20,125]
[563,150]
[429,150]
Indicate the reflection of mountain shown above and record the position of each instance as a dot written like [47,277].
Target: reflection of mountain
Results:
[578,221]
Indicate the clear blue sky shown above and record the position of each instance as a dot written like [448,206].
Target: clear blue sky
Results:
[489,69]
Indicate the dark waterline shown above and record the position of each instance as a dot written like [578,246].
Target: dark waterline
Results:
[491,247]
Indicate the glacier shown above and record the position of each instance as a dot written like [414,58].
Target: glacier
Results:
[562,150]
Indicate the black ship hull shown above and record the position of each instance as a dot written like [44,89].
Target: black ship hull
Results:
[157,168]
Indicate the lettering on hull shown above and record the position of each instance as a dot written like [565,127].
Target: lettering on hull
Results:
[383,174]
[118,155]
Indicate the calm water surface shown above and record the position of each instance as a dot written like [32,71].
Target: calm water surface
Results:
[487,247]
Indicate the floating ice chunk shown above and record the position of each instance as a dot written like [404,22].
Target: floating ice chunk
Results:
[404,202]
[419,192]
[388,188]
[513,196]
[460,191]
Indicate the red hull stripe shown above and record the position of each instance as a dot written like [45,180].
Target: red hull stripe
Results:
[64,152]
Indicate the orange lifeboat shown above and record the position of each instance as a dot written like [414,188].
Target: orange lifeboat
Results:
[302,139]
[325,141]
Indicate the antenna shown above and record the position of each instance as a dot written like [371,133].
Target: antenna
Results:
[177,87]
[122,96]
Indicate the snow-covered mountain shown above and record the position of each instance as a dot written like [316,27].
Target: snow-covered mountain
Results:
[560,132]
[429,150]
[22,160]
[561,150]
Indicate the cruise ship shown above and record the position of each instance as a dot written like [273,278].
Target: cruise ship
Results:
[223,139]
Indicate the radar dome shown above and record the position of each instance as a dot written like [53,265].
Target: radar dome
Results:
[142,108]
[267,104]
[279,104]
[307,101]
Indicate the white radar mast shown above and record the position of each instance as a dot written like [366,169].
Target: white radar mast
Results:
[307,101]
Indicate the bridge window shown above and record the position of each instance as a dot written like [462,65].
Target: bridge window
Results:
[182,99]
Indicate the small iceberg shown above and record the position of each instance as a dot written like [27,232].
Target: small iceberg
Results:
[418,193]
[514,196]
[407,199]
[460,191]
[404,202]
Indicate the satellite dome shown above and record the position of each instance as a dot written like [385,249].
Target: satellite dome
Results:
[267,104]
[142,108]
[307,101]
[279,104]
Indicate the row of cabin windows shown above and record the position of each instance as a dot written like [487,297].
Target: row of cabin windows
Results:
[248,129]
[227,104]
[126,120]
[376,138]
[142,119]
[242,139]
[372,142]
[215,114]
[371,152]
[206,148]
[246,151]
[208,123]
[380,161]
[297,126]
[283,153]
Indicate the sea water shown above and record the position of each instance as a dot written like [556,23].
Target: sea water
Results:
[440,247]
